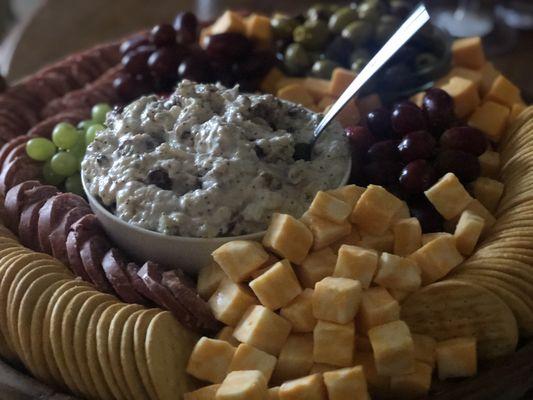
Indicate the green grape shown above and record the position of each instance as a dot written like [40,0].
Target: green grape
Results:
[79,149]
[99,112]
[73,184]
[65,135]
[84,125]
[64,163]
[40,149]
[50,176]
[91,133]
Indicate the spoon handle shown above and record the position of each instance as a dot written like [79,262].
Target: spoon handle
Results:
[416,20]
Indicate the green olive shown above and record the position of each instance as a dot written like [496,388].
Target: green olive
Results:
[313,35]
[386,27]
[341,18]
[283,26]
[320,11]
[323,69]
[360,53]
[425,60]
[358,32]
[369,10]
[296,59]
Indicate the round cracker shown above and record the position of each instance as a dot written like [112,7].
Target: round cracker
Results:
[168,348]
[127,360]
[453,308]
[139,339]
[102,349]
[115,334]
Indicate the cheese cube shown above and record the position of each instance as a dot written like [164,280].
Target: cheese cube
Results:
[516,110]
[296,93]
[428,237]
[273,393]
[464,94]
[325,103]
[295,359]
[247,357]
[325,232]
[489,162]
[346,384]
[488,191]
[378,385]
[336,299]
[277,286]
[477,208]
[448,196]
[368,103]
[393,348]
[457,358]
[307,388]
[437,258]
[349,193]
[424,349]
[288,238]
[317,88]
[263,329]
[299,312]
[320,368]
[287,81]
[488,76]
[270,81]
[402,213]
[316,266]
[334,343]
[208,280]
[468,232]
[399,295]
[340,80]
[230,302]
[205,393]
[226,334]
[329,207]
[468,53]
[377,308]
[258,29]
[230,21]
[351,240]
[243,385]
[349,115]
[475,75]
[490,118]
[397,272]
[239,258]
[413,385]
[379,243]
[374,210]
[503,91]
[356,263]
[210,360]
[407,236]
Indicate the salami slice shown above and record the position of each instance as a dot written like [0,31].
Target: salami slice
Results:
[21,93]
[27,114]
[58,237]
[42,89]
[92,253]
[52,213]
[13,202]
[45,127]
[79,233]
[6,149]
[114,266]
[19,170]
[18,151]
[26,230]
[132,270]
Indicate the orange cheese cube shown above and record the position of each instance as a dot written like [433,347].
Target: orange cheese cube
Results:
[413,385]
[325,232]
[249,385]
[465,95]
[230,301]
[288,238]
[226,334]
[210,360]
[488,75]
[239,258]
[346,384]
[503,91]
[383,242]
[356,263]
[316,266]
[349,115]
[334,343]
[300,312]
[205,393]
[489,162]
[516,110]
[318,88]
[407,236]
[295,359]
[309,388]
[248,358]
[474,75]
[270,81]
[258,29]
[340,80]
[490,118]
[488,191]
[468,52]
[368,103]
[296,93]
[457,358]
[208,280]
[286,81]
[230,21]
[349,193]
[448,196]
[377,307]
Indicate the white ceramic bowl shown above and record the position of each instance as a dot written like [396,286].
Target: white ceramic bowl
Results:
[190,254]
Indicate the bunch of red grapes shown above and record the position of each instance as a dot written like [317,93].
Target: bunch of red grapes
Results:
[154,62]
[408,148]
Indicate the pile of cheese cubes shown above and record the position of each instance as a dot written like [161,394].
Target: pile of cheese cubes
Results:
[314,311]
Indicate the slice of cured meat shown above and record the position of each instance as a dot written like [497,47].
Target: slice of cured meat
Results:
[45,127]
[58,237]
[91,254]
[132,270]
[6,149]
[52,213]
[17,171]
[13,202]
[18,151]
[114,266]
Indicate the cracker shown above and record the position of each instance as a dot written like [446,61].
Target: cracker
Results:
[139,338]
[453,308]
[168,347]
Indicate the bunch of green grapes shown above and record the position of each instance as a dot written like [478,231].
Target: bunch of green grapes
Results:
[63,154]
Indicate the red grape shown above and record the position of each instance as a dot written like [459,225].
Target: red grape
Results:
[186,25]
[429,218]
[163,63]
[129,87]
[163,35]
[257,64]
[378,121]
[465,138]
[417,176]
[360,139]
[135,61]
[230,46]
[415,145]
[384,150]
[439,108]
[383,172]
[464,165]
[133,43]
[407,118]
[195,68]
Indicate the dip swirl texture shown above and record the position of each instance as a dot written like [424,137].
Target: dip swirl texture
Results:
[209,161]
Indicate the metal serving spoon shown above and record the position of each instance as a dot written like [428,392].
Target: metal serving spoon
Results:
[412,24]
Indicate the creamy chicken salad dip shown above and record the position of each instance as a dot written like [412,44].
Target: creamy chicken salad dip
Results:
[209,161]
